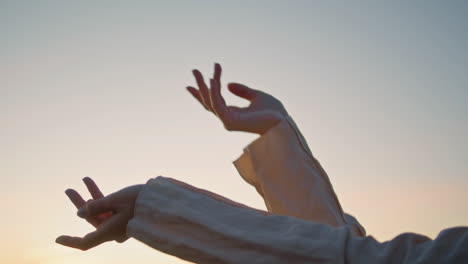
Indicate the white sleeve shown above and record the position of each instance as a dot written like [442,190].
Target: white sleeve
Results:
[202,227]
[292,182]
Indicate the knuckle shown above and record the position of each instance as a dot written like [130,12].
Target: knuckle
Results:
[228,126]
[84,247]
[121,239]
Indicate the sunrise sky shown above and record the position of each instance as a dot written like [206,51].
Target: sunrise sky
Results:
[97,88]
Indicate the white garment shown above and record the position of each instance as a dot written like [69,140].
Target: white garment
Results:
[305,222]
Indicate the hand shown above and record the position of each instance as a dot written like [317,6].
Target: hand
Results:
[117,209]
[263,112]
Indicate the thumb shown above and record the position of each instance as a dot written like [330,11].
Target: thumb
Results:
[243,91]
[96,207]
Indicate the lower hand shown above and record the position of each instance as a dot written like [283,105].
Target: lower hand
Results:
[109,214]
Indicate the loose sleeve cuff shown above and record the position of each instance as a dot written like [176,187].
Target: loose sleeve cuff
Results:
[280,165]
[259,147]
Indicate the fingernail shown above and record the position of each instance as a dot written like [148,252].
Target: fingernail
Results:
[82,212]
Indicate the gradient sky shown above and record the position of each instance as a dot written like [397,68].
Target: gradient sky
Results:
[97,88]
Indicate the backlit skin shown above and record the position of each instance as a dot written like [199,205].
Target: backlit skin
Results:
[79,202]
[110,214]
[108,221]
[263,112]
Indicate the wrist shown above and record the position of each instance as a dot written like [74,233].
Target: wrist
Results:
[272,121]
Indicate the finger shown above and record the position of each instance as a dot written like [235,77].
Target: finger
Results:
[243,91]
[79,202]
[195,93]
[217,73]
[105,232]
[69,241]
[228,114]
[92,188]
[83,243]
[104,216]
[217,101]
[97,207]
[92,220]
[99,219]
[203,89]
[75,198]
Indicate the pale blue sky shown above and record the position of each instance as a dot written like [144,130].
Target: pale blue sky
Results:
[97,88]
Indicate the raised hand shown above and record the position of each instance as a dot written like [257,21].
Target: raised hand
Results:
[109,214]
[263,112]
